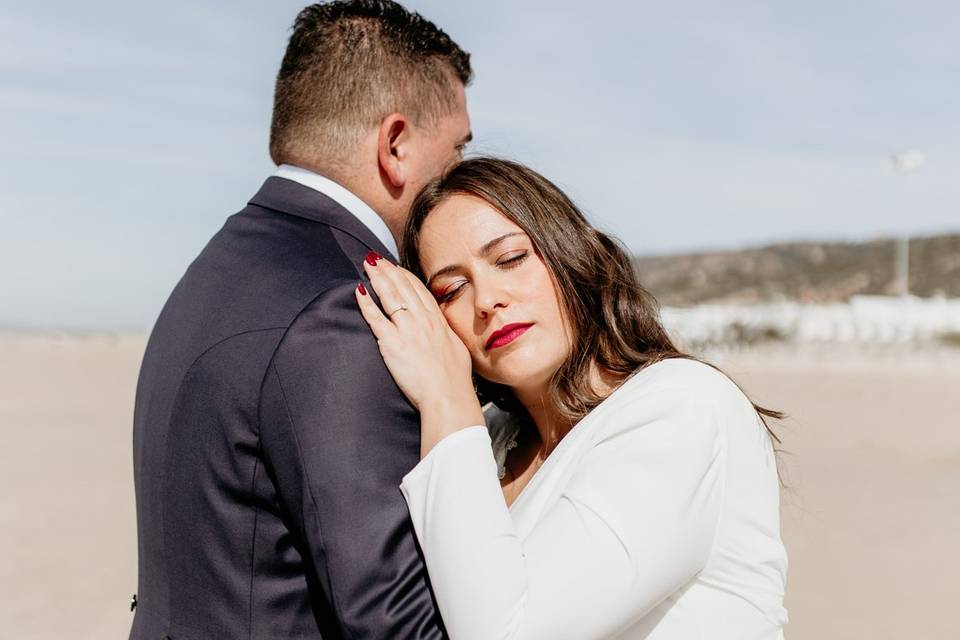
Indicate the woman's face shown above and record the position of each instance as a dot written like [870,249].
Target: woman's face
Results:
[495,292]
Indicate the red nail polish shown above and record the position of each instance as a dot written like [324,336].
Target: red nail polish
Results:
[362,289]
[372,258]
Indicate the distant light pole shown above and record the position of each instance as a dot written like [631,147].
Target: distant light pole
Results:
[903,266]
[905,162]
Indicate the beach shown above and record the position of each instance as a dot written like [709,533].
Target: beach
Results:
[870,463]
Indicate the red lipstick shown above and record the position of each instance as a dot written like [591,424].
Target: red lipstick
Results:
[507,334]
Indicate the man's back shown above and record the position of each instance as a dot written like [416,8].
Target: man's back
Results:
[269,442]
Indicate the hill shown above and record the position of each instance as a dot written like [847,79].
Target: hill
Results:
[805,271]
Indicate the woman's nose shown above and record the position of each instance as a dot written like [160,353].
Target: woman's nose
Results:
[488,299]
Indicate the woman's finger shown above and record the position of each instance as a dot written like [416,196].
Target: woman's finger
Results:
[404,285]
[395,274]
[421,291]
[379,323]
[396,296]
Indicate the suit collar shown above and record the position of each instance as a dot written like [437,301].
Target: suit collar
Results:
[293,198]
[346,198]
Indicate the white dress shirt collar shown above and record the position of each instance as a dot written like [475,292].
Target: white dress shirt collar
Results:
[345,198]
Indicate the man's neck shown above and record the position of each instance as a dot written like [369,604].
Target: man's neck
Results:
[348,195]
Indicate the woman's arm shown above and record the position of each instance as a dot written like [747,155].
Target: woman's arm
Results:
[634,524]
[425,357]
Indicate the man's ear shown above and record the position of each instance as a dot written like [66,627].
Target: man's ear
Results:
[392,148]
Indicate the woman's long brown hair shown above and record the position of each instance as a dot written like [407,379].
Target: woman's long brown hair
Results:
[615,321]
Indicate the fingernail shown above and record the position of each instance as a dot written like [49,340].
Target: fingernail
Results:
[362,289]
[372,258]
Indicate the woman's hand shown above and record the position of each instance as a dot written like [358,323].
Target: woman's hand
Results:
[429,362]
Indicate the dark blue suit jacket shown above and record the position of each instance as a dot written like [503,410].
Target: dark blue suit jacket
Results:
[270,441]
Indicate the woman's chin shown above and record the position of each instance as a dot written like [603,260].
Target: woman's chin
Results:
[521,378]
[520,365]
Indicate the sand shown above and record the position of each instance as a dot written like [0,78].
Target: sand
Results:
[871,514]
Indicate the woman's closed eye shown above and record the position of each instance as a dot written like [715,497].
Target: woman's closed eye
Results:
[450,292]
[514,261]
[508,263]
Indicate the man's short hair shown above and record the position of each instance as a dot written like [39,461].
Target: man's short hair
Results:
[351,63]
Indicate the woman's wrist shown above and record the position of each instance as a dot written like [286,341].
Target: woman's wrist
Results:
[447,414]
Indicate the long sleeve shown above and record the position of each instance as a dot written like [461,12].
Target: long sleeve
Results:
[634,522]
[338,436]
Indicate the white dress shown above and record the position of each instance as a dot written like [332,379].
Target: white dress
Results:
[656,517]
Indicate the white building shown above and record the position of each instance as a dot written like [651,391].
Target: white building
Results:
[864,319]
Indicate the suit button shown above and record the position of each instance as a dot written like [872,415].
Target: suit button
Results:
[133,602]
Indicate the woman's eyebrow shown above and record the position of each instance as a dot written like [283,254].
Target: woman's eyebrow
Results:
[484,250]
[487,248]
[447,269]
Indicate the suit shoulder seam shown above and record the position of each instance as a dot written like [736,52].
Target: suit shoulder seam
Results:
[219,342]
[309,488]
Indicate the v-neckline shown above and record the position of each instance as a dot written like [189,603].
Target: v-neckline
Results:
[566,438]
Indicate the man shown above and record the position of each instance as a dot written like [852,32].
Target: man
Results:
[269,438]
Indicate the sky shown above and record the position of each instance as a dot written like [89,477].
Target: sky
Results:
[130,131]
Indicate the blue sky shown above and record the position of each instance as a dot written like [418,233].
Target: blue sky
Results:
[129,131]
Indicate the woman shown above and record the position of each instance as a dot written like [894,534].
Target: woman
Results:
[639,494]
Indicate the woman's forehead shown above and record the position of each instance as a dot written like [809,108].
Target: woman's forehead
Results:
[462,229]
[466,221]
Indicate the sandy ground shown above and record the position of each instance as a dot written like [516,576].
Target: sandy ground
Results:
[871,516]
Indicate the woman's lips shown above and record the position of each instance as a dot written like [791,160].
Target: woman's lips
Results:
[507,334]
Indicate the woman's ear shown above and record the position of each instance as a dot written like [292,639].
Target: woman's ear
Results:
[392,142]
